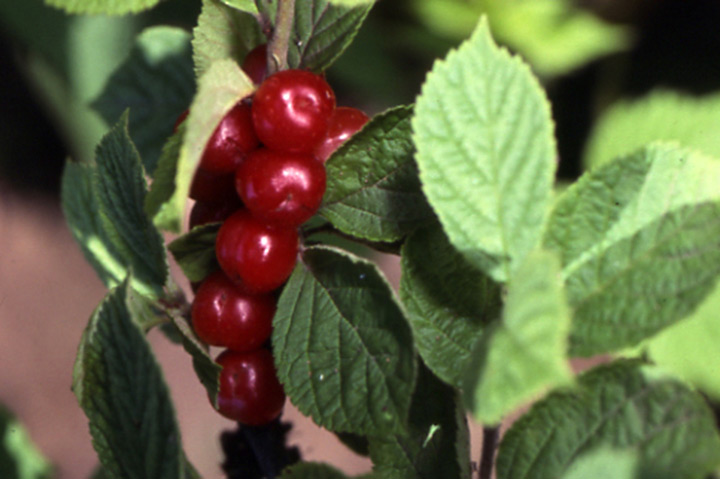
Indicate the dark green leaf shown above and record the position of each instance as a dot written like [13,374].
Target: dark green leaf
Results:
[122,391]
[312,470]
[434,443]
[156,83]
[355,442]
[448,302]
[619,405]
[19,457]
[373,191]
[343,349]
[100,7]
[195,251]
[163,185]
[322,31]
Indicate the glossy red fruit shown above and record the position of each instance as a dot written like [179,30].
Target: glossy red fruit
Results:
[250,392]
[212,187]
[231,141]
[281,188]
[255,64]
[344,123]
[180,119]
[291,110]
[203,213]
[255,255]
[224,315]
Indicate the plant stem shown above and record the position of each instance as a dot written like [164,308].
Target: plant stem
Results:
[487,456]
[278,46]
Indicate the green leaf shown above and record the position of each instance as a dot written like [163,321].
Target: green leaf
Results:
[322,31]
[431,445]
[373,191]
[311,470]
[223,33]
[195,251]
[163,185]
[688,348]
[486,153]
[620,405]
[219,90]
[638,241]
[103,7]
[19,456]
[525,353]
[103,205]
[604,462]
[122,391]
[352,3]
[242,5]
[448,302]
[661,115]
[157,83]
[343,350]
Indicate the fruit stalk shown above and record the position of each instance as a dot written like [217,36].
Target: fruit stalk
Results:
[278,45]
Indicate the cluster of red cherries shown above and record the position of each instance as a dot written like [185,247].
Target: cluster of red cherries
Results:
[262,174]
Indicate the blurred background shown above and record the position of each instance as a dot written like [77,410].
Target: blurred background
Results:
[617,69]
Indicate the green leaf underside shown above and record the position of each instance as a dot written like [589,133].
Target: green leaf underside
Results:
[525,353]
[616,406]
[638,241]
[486,153]
[157,83]
[122,391]
[107,7]
[343,350]
[195,251]
[604,463]
[430,446]
[103,204]
[219,90]
[243,5]
[223,33]
[373,191]
[448,302]
[322,31]
[19,456]
[163,185]
[311,470]
[661,115]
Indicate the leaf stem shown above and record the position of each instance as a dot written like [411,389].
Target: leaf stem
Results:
[487,456]
[278,46]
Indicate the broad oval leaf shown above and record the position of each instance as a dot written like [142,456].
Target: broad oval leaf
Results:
[103,7]
[343,349]
[605,462]
[486,152]
[163,185]
[638,242]
[448,302]
[19,456]
[194,251]
[619,406]
[373,191]
[156,83]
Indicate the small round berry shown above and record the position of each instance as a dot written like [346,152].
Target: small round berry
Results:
[231,141]
[255,255]
[291,110]
[344,122]
[255,64]
[281,188]
[212,187]
[203,213]
[249,392]
[224,315]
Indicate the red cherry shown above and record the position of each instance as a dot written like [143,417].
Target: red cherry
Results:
[212,187]
[224,315]
[291,110]
[203,213]
[255,64]
[250,392]
[281,188]
[180,119]
[233,138]
[255,255]
[344,122]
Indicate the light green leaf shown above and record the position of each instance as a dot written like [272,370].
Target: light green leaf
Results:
[373,191]
[486,153]
[525,353]
[242,5]
[194,252]
[352,3]
[661,115]
[156,83]
[638,242]
[448,302]
[219,90]
[311,470]
[122,391]
[223,33]
[605,462]
[163,186]
[621,405]
[343,349]
[322,31]
[19,457]
[103,7]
